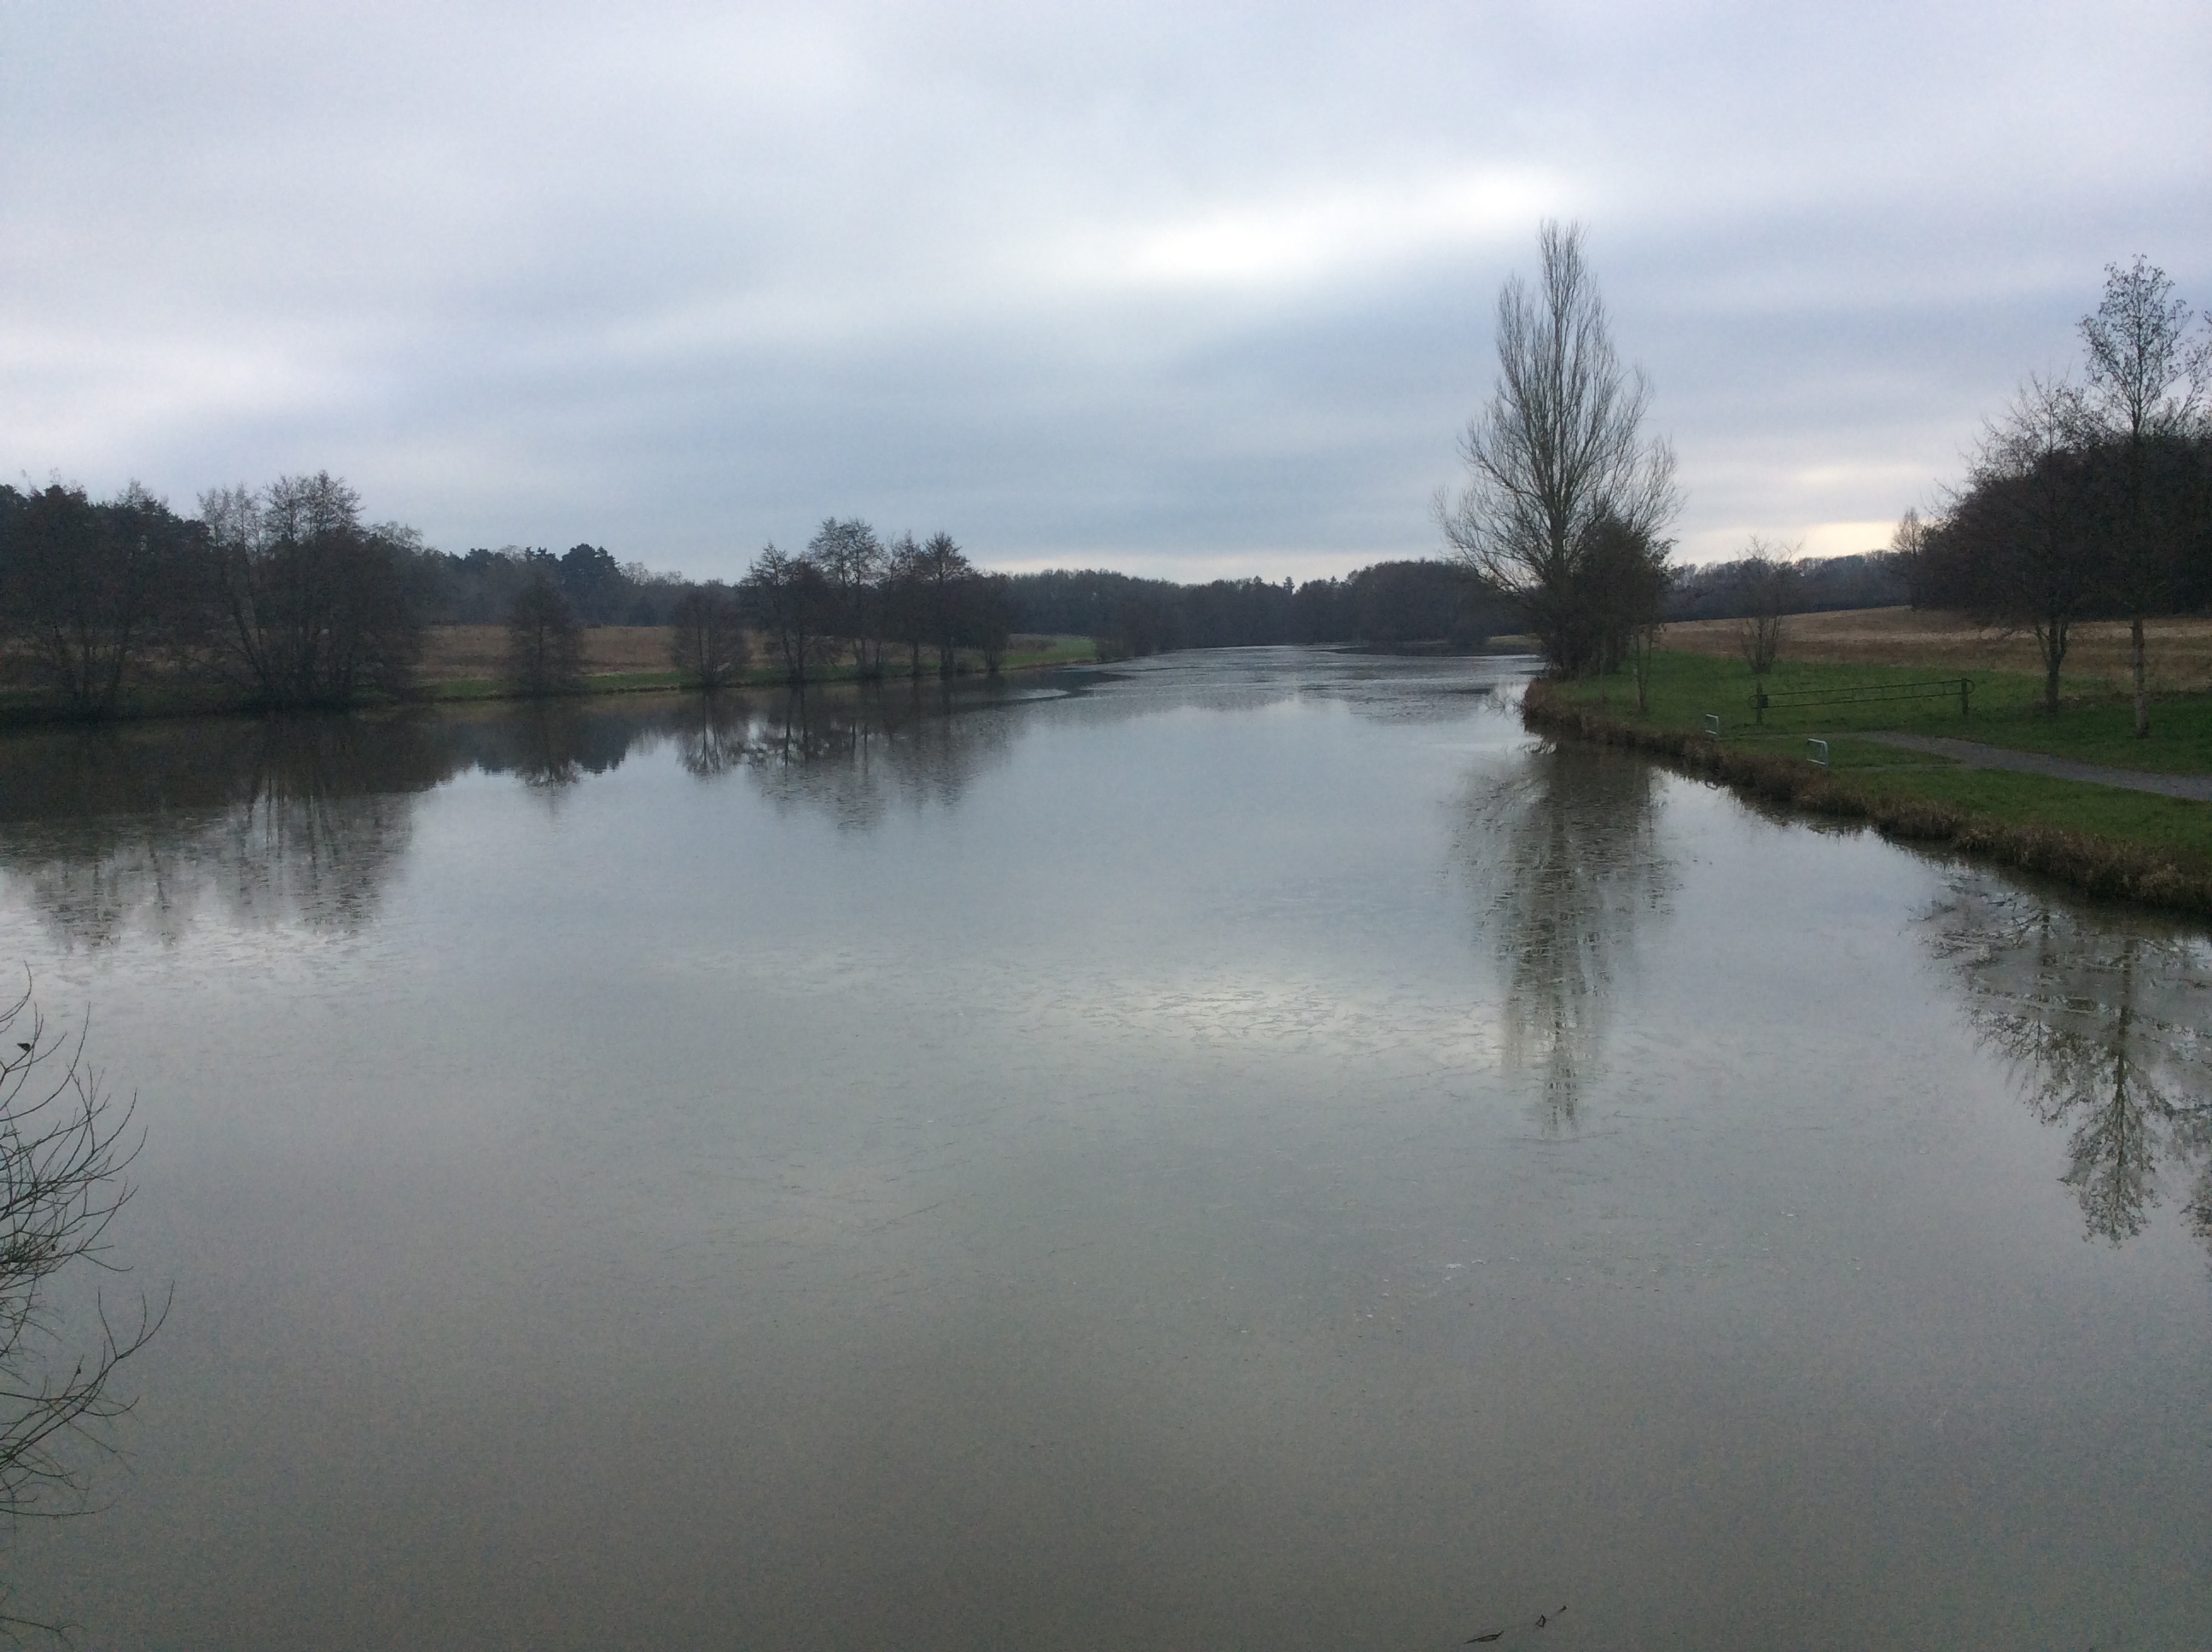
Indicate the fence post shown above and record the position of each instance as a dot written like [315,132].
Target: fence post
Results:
[1965,688]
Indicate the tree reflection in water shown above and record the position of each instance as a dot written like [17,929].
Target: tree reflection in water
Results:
[1566,857]
[852,754]
[293,818]
[304,818]
[552,744]
[2103,1025]
[713,734]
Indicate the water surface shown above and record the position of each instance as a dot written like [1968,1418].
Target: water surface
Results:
[1247,1151]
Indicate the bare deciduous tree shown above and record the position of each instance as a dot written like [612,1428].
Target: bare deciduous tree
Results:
[990,609]
[706,643]
[2147,382]
[86,586]
[2023,524]
[785,596]
[310,607]
[545,642]
[62,1152]
[1642,644]
[906,612]
[1767,578]
[1559,448]
[852,564]
[941,573]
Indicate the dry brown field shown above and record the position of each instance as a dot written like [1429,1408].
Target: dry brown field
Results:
[2180,650]
[480,651]
[451,652]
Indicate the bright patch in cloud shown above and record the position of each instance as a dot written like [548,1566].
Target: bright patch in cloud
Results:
[1809,539]
[1318,233]
[1843,538]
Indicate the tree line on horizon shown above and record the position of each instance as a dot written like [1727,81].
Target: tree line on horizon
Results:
[282,598]
[2088,497]
[282,595]
[909,609]
[1812,585]
[286,597]
[1388,605]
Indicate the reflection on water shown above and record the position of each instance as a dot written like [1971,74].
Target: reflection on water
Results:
[1566,853]
[548,745]
[112,828]
[853,756]
[713,735]
[2103,1024]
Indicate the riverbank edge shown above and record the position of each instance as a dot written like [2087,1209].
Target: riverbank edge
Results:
[2101,866]
[169,705]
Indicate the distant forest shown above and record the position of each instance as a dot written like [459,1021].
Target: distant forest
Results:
[1389,605]
[1874,578]
[481,587]
[1392,604]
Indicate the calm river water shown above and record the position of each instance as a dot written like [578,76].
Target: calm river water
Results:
[1251,1150]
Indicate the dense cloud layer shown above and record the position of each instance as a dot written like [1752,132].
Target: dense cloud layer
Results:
[1181,292]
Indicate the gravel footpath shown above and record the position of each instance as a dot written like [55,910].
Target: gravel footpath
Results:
[1974,755]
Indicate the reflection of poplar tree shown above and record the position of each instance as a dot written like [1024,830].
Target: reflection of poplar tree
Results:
[1567,852]
[2103,1030]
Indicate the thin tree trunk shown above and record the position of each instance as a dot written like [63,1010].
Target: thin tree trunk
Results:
[2143,694]
[2052,639]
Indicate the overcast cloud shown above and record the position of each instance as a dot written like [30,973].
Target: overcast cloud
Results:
[1183,290]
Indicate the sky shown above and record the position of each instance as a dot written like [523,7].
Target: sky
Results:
[1188,290]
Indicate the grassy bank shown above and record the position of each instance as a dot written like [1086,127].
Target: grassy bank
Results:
[2125,844]
[2094,724]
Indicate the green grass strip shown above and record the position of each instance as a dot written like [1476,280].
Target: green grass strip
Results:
[2091,725]
[2119,844]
